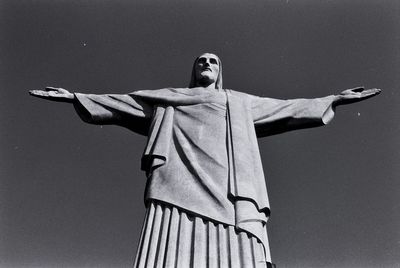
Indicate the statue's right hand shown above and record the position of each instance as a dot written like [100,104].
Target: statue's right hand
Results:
[54,94]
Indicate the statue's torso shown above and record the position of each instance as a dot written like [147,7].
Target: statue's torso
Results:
[197,165]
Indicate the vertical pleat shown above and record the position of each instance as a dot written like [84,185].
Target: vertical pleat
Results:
[173,232]
[153,246]
[245,250]
[173,239]
[200,244]
[253,257]
[143,233]
[258,253]
[266,246]
[146,238]
[212,245]
[223,246]
[163,238]
[184,242]
[234,247]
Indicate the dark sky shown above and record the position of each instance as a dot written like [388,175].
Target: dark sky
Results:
[71,194]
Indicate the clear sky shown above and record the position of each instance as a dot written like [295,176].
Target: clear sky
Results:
[71,194]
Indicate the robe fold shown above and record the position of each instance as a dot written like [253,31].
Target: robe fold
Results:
[202,154]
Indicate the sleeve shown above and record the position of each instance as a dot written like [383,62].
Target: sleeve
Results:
[115,109]
[274,116]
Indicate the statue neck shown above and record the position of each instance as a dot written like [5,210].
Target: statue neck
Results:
[210,86]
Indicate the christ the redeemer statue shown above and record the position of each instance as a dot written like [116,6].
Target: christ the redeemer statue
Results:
[206,198]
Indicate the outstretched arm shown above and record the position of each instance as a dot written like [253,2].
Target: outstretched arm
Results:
[274,116]
[119,109]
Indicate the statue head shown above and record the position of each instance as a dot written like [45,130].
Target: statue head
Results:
[207,69]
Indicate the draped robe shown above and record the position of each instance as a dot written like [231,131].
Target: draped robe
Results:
[202,154]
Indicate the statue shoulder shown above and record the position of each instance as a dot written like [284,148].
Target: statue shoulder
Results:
[152,91]
[169,91]
[240,94]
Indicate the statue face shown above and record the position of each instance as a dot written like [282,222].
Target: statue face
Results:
[207,68]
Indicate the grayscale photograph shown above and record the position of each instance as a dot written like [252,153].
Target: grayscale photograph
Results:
[199,134]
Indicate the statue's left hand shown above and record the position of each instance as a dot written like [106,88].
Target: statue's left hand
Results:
[355,95]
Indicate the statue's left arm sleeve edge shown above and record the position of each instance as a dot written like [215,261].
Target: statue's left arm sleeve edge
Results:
[329,113]
[81,110]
